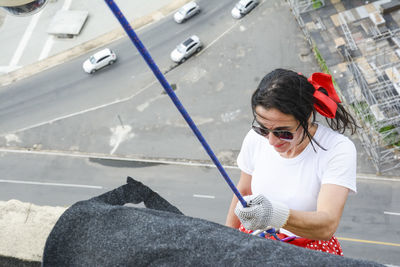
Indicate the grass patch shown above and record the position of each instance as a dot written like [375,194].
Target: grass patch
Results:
[322,64]
[386,128]
[361,109]
[317,4]
[320,60]
[390,135]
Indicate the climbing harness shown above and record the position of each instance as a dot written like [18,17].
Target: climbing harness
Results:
[273,232]
[167,87]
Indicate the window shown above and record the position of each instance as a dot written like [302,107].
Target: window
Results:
[190,47]
[188,42]
[101,59]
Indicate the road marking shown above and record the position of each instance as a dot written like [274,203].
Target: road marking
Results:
[159,161]
[47,47]
[110,157]
[50,40]
[24,41]
[66,5]
[51,184]
[368,241]
[146,104]
[216,39]
[204,196]
[219,37]
[7,69]
[117,101]
[391,213]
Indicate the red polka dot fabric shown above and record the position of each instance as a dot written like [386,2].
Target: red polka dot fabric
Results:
[331,246]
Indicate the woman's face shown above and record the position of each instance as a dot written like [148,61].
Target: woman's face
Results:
[274,120]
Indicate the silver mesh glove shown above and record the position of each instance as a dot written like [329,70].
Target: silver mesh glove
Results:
[261,213]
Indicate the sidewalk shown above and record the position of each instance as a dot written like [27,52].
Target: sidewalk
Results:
[28,49]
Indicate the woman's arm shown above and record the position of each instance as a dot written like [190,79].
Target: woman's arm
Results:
[244,187]
[320,224]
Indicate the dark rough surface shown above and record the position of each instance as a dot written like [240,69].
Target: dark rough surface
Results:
[102,232]
[14,262]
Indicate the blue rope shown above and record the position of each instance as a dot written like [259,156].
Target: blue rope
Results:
[167,87]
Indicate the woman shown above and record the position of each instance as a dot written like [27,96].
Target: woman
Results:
[295,173]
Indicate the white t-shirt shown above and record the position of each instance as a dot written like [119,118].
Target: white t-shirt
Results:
[297,181]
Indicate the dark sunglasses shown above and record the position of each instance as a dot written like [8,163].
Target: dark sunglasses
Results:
[283,135]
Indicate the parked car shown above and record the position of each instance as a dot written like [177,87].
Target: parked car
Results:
[187,11]
[243,7]
[99,60]
[185,49]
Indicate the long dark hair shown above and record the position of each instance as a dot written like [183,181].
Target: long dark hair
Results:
[292,94]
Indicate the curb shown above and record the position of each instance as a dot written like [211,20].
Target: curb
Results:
[81,49]
[172,161]
[25,227]
[377,177]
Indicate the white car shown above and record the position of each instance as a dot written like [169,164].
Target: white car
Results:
[186,12]
[186,49]
[243,7]
[99,60]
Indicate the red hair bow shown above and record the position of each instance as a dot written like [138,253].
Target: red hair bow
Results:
[326,105]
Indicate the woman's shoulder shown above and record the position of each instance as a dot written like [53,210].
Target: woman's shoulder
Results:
[329,139]
[326,134]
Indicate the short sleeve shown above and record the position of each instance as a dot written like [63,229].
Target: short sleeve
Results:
[245,159]
[341,165]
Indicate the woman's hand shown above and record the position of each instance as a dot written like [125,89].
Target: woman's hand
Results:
[261,213]
[244,187]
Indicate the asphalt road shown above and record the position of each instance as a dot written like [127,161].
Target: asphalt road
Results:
[73,89]
[221,79]
[61,123]
[367,230]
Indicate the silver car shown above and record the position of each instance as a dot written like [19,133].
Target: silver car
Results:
[186,12]
[99,60]
[243,7]
[185,49]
